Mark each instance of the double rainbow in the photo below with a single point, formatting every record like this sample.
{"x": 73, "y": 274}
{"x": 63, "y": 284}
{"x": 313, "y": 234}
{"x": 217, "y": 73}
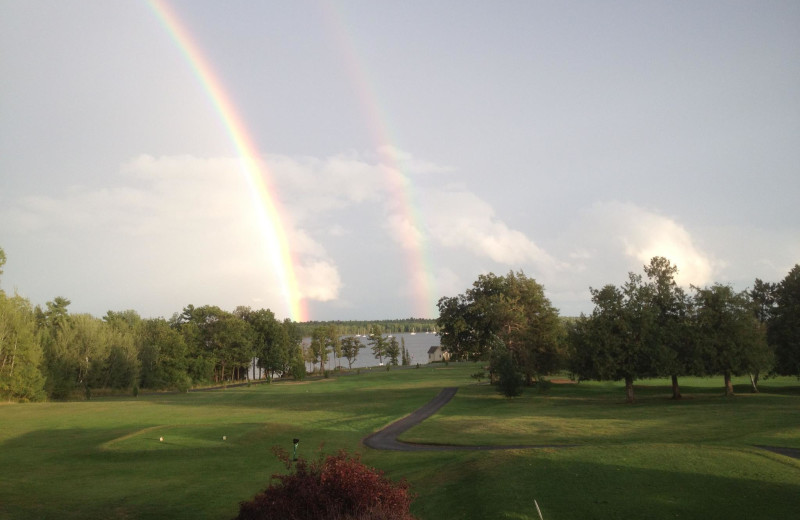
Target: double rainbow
{"x": 410, "y": 225}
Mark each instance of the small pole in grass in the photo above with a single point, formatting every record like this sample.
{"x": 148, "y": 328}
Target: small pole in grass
{"x": 538, "y": 510}
{"x": 294, "y": 453}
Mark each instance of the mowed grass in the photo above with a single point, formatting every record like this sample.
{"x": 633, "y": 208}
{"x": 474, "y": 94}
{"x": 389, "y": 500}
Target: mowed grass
{"x": 655, "y": 459}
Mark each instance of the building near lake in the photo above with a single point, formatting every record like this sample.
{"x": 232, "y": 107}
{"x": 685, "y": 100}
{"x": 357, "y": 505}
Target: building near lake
{"x": 437, "y": 354}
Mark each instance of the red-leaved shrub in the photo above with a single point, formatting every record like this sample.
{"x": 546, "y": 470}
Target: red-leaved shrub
{"x": 336, "y": 487}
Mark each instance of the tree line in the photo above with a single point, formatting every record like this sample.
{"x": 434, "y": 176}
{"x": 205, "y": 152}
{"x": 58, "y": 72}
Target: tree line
{"x": 365, "y": 327}
{"x": 647, "y": 327}
{"x": 52, "y": 353}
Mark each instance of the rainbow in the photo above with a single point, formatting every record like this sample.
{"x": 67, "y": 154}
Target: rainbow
{"x": 254, "y": 171}
{"x": 418, "y": 262}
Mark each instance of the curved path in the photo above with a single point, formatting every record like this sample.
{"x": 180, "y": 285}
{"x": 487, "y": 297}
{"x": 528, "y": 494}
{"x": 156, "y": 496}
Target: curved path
{"x": 786, "y": 452}
{"x": 386, "y": 439}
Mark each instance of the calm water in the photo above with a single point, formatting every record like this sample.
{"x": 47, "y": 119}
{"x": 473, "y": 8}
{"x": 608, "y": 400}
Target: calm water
{"x": 416, "y": 344}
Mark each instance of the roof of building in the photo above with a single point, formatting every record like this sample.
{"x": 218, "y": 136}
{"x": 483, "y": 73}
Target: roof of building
{"x": 433, "y": 349}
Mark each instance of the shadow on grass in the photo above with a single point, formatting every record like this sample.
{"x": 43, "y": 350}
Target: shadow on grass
{"x": 572, "y": 487}
{"x": 122, "y": 473}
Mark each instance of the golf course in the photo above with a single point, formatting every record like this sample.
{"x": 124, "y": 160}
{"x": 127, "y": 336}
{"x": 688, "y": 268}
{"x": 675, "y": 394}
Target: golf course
{"x": 198, "y": 454}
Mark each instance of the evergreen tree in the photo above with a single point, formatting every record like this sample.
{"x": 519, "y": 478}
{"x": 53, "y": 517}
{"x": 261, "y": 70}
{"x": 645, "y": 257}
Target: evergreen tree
{"x": 729, "y": 337}
{"x": 378, "y": 343}
{"x": 393, "y": 351}
{"x": 784, "y": 325}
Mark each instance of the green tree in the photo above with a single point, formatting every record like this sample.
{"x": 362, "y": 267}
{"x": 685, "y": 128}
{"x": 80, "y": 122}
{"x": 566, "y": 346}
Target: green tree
{"x": 377, "y": 343}
{"x": 669, "y": 334}
{"x": 333, "y": 342}
{"x": 784, "y": 325}
{"x": 20, "y": 350}
{"x": 350, "y": 347}
{"x": 61, "y": 365}
{"x": 457, "y": 331}
{"x": 729, "y": 337}
{"x": 123, "y": 320}
{"x": 406, "y": 357}
{"x": 512, "y": 308}
{"x": 295, "y": 367}
{"x": 763, "y": 297}
{"x": 218, "y": 338}
{"x": 393, "y": 351}
{"x": 608, "y": 344}
{"x": 270, "y": 340}
{"x": 509, "y": 379}
{"x": 318, "y": 348}
{"x": 162, "y": 356}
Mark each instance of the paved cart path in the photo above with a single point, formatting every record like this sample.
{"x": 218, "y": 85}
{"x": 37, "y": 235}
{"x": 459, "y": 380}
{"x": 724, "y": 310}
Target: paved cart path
{"x": 386, "y": 439}
{"x": 786, "y": 452}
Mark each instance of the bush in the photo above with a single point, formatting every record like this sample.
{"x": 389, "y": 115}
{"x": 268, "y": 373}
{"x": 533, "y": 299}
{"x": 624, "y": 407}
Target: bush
{"x": 543, "y": 385}
{"x": 335, "y": 487}
{"x": 478, "y": 376}
{"x": 509, "y": 380}
{"x": 297, "y": 369}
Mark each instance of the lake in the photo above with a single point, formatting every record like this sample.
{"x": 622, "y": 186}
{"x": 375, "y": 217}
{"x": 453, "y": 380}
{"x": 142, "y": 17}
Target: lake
{"x": 416, "y": 344}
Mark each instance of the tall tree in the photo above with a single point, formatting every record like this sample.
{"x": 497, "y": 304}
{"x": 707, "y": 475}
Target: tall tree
{"x": 457, "y": 335}
{"x": 608, "y": 345}
{"x": 377, "y": 343}
{"x": 270, "y": 340}
{"x": 393, "y": 351}
{"x": 217, "y": 338}
{"x": 350, "y": 347}
{"x": 319, "y": 346}
{"x": 20, "y": 350}
{"x": 333, "y": 341}
{"x": 162, "y": 356}
{"x": 763, "y": 297}
{"x": 784, "y": 325}
{"x": 669, "y": 335}
{"x": 729, "y": 337}
{"x": 512, "y": 308}
{"x": 296, "y": 366}
{"x": 61, "y": 367}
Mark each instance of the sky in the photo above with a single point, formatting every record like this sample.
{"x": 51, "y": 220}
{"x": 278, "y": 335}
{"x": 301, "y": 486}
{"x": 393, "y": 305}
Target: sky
{"x": 360, "y": 160}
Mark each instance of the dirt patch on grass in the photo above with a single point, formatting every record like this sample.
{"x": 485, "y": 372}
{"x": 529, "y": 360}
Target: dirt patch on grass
{"x": 563, "y": 381}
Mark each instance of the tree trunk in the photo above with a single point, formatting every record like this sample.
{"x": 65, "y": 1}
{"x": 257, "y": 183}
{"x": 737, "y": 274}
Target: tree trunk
{"x": 676, "y": 390}
{"x": 629, "y": 389}
{"x": 754, "y": 383}
{"x": 13, "y": 358}
{"x": 728, "y": 384}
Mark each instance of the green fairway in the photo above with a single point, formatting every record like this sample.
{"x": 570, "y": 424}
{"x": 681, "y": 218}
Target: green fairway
{"x": 654, "y": 459}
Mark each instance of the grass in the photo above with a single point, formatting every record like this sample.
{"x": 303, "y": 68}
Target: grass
{"x": 654, "y": 459}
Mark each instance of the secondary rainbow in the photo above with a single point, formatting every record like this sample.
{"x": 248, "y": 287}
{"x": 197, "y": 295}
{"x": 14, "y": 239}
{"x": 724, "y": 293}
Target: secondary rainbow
{"x": 419, "y": 267}
{"x": 253, "y": 169}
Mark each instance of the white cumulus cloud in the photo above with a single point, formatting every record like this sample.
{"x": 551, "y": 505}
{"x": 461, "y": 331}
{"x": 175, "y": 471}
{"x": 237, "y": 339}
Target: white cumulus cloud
{"x": 624, "y": 237}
